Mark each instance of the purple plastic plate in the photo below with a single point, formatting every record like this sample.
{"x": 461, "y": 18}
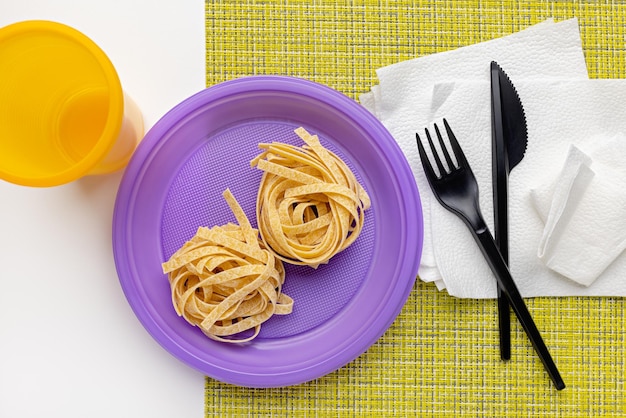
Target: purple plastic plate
{"x": 174, "y": 183}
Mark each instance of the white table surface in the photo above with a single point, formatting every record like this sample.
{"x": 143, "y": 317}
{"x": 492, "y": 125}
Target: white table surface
{"x": 70, "y": 345}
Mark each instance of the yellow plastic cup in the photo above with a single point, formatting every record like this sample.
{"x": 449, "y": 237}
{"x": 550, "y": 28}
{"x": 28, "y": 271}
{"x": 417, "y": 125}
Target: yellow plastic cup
{"x": 63, "y": 113}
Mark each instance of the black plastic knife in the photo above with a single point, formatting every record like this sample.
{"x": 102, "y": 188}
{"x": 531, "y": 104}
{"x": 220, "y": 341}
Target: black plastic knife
{"x": 509, "y": 139}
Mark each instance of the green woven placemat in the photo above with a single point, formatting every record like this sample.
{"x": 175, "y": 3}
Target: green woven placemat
{"x": 440, "y": 357}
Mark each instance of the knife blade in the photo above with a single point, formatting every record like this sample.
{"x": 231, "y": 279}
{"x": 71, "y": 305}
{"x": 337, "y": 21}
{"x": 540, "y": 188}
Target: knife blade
{"x": 509, "y": 140}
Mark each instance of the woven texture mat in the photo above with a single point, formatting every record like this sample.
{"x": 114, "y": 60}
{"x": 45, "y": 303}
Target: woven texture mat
{"x": 441, "y": 356}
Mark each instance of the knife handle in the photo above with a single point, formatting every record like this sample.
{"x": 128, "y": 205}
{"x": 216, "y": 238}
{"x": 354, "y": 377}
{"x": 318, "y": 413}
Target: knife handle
{"x": 505, "y": 280}
{"x": 504, "y": 323}
{"x": 501, "y": 229}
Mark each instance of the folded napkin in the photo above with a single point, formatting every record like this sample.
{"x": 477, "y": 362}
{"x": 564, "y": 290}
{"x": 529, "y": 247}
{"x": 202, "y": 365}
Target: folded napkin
{"x": 584, "y": 211}
{"x": 559, "y": 114}
{"x": 402, "y": 100}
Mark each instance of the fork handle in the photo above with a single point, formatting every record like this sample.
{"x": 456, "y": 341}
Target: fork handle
{"x": 505, "y": 280}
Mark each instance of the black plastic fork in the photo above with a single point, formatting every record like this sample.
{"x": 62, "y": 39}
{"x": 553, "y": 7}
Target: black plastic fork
{"x": 455, "y": 187}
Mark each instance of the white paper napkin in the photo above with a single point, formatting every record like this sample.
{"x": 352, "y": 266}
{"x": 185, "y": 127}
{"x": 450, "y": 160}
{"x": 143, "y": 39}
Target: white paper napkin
{"x": 585, "y": 211}
{"x": 558, "y": 114}
{"x": 402, "y": 100}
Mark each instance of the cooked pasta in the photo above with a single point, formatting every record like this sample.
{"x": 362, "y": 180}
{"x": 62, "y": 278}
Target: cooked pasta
{"x": 224, "y": 281}
{"x": 309, "y": 204}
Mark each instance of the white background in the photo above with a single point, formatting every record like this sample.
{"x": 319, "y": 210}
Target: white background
{"x": 70, "y": 345}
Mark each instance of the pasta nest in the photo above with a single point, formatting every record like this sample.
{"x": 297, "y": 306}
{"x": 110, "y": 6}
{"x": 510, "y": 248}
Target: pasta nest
{"x": 224, "y": 281}
{"x": 310, "y": 205}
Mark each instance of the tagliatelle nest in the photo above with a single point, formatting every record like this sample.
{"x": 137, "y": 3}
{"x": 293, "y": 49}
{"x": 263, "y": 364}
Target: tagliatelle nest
{"x": 309, "y": 204}
{"x": 224, "y": 281}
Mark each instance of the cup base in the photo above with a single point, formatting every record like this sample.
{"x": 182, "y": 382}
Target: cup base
{"x": 80, "y": 124}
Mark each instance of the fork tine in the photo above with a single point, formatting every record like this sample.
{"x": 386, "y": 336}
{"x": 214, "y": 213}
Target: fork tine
{"x": 430, "y": 173}
{"x": 456, "y": 148}
{"x": 440, "y": 166}
{"x": 444, "y": 148}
